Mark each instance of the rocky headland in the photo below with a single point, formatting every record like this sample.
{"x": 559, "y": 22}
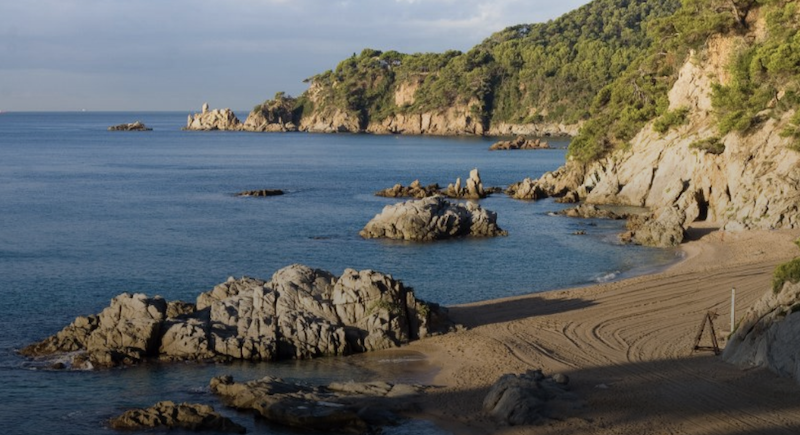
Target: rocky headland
{"x": 749, "y": 182}
{"x": 131, "y": 126}
{"x": 520, "y": 143}
{"x": 348, "y": 407}
{"x": 432, "y": 218}
{"x": 300, "y": 313}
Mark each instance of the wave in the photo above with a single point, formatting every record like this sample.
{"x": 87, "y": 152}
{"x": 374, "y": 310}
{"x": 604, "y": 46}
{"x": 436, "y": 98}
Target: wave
{"x": 606, "y": 277}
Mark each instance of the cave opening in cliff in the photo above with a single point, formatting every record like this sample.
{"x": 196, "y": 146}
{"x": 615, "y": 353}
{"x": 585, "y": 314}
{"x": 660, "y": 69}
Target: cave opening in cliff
{"x": 702, "y": 205}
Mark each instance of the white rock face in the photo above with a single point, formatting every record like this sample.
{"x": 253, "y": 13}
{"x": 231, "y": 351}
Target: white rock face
{"x": 769, "y": 334}
{"x": 432, "y": 218}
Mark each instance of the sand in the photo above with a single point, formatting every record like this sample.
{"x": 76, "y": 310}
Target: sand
{"x": 627, "y": 348}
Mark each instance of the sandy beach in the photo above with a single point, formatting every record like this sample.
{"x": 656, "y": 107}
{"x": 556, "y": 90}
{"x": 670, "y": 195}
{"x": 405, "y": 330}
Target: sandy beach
{"x": 627, "y": 348}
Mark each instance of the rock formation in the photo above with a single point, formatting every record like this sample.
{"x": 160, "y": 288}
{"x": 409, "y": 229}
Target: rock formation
{"x": 261, "y": 192}
{"x": 339, "y": 407}
{"x": 590, "y": 211}
{"x": 432, "y": 218}
{"x": 414, "y": 190}
{"x": 520, "y": 143}
{"x": 768, "y": 335}
{"x": 300, "y": 313}
{"x": 472, "y": 190}
{"x": 133, "y": 126}
{"x": 751, "y": 184}
{"x": 526, "y": 189}
{"x": 530, "y": 398}
{"x": 272, "y": 116}
{"x": 218, "y": 119}
{"x": 168, "y": 415}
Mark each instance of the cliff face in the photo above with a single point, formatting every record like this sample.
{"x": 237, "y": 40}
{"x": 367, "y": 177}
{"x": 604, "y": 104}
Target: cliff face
{"x": 767, "y": 335}
{"x": 754, "y": 182}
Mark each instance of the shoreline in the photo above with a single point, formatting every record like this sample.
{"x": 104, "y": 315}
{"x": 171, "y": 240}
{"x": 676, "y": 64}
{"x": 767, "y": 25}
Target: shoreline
{"x": 626, "y": 345}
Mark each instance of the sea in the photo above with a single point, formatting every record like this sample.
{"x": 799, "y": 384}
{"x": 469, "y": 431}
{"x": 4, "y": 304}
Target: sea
{"x": 87, "y": 213}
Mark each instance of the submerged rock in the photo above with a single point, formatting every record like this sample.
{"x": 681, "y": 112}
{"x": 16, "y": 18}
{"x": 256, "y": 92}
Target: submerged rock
{"x": 132, "y": 126}
{"x": 520, "y": 143}
{"x": 432, "y": 218}
{"x": 300, "y": 313}
{"x": 530, "y": 398}
{"x": 260, "y": 193}
{"x": 168, "y": 415}
{"x": 339, "y": 407}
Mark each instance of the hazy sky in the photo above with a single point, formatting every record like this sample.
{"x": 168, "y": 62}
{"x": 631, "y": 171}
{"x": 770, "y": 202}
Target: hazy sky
{"x": 177, "y": 54}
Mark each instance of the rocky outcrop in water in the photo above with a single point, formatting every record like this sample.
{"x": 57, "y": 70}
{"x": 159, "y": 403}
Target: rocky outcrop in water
{"x": 299, "y": 313}
{"x": 260, "y": 192}
{"x": 591, "y": 211}
{"x": 473, "y": 189}
{"x": 168, "y": 415}
{"x": 217, "y": 119}
{"x": 530, "y": 398}
{"x": 768, "y": 335}
{"x": 430, "y": 219}
{"x": 338, "y": 407}
{"x": 132, "y": 126}
{"x": 520, "y": 143}
{"x": 413, "y": 190}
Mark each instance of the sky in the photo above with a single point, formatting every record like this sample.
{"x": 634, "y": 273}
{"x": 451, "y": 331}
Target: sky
{"x": 100, "y": 55}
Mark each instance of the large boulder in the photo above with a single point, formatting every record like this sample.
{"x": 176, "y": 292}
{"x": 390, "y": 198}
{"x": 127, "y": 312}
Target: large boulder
{"x": 338, "y": 407}
{"x": 432, "y": 218}
{"x": 530, "y": 398}
{"x": 300, "y": 313}
{"x": 168, "y": 415}
{"x": 276, "y": 115}
{"x": 768, "y": 335}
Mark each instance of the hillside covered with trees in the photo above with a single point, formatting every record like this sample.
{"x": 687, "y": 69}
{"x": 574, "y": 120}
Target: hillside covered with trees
{"x": 606, "y": 67}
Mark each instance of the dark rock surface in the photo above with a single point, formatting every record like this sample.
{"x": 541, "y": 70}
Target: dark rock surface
{"x": 168, "y": 415}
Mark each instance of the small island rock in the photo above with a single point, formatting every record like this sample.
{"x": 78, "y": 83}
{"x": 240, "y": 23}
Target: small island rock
{"x": 432, "y": 218}
{"x": 132, "y": 126}
{"x": 414, "y": 190}
{"x": 218, "y": 119}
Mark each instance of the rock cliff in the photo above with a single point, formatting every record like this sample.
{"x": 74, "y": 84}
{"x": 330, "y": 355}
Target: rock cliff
{"x": 747, "y": 181}
{"x": 299, "y": 313}
{"x": 768, "y": 335}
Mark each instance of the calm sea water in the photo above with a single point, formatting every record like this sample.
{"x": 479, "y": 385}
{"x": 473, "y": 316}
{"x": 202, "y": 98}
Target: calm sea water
{"x": 86, "y": 214}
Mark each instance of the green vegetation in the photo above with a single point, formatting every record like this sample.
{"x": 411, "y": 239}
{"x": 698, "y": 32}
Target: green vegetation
{"x": 671, "y": 118}
{"x": 712, "y": 145}
{"x": 608, "y": 65}
{"x": 786, "y": 272}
